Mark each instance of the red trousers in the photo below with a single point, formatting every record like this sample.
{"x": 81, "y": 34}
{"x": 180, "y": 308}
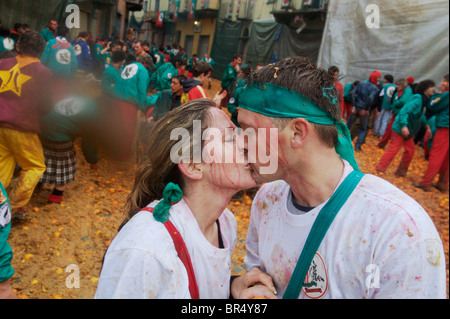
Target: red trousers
{"x": 397, "y": 142}
{"x": 439, "y": 160}
{"x": 387, "y": 135}
{"x": 346, "y": 109}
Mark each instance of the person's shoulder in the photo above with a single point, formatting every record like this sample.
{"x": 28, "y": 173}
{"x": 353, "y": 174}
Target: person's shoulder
{"x": 390, "y": 203}
{"x": 142, "y": 232}
{"x": 274, "y": 190}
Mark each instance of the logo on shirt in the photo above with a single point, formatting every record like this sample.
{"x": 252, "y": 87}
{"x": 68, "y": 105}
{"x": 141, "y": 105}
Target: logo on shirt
{"x": 77, "y": 49}
{"x": 129, "y": 72}
{"x": 315, "y": 285}
{"x": 63, "y": 56}
{"x": 5, "y": 210}
{"x": 69, "y": 106}
{"x": 13, "y": 80}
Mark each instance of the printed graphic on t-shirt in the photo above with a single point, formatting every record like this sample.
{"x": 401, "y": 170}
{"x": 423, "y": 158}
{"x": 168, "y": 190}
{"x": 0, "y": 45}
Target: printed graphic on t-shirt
{"x": 5, "y": 210}
{"x": 315, "y": 285}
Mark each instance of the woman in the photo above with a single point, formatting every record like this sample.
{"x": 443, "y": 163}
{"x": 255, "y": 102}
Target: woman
{"x": 142, "y": 261}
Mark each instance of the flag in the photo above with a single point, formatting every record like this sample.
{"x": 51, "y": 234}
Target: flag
{"x": 192, "y": 7}
{"x": 160, "y": 19}
{"x": 284, "y": 3}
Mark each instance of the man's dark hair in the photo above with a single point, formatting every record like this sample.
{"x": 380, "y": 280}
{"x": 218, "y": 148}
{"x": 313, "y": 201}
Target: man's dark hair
{"x": 62, "y": 31}
{"x": 333, "y": 69}
{"x": 31, "y": 43}
{"x": 118, "y": 56}
{"x": 423, "y": 86}
{"x": 389, "y": 78}
{"x": 300, "y": 75}
{"x": 83, "y": 34}
{"x": 201, "y": 68}
{"x": 180, "y": 77}
{"x": 237, "y": 56}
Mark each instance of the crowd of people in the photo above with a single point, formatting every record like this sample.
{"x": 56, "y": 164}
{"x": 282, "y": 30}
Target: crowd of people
{"x": 49, "y": 101}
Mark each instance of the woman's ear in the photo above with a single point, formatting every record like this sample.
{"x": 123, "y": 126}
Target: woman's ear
{"x": 191, "y": 170}
{"x": 299, "y": 132}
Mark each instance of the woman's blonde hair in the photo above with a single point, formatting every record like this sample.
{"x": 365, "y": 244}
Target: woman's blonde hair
{"x": 157, "y": 168}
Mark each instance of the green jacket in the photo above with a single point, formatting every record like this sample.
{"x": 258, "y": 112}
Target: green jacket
{"x": 398, "y": 103}
{"x": 439, "y": 105}
{"x": 109, "y": 80}
{"x": 233, "y": 103}
{"x": 6, "y": 253}
{"x": 389, "y": 90}
{"x": 348, "y": 92}
{"x": 229, "y": 76}
{"x": 59, "y": 56}
{"x": 161, "y": 79}
{"x": 132, "y": 85}
{"x": 70, "y": 118}
{"x": 47, "y": 34}
{"x": 412, "y": 116}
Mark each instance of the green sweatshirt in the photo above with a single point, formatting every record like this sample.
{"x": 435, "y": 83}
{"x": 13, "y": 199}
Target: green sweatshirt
{"x": 59, "y": 56}
{"x": 389, "y": 90}
{"x": 161, "y": 79}
{"x": 229, "y": 76}
{"x": 412, "y": 116}
{"x": 439, "y": 105}
{"x": 70, "y": 118}
{"x": 132, "y": 85}
{"x": 399, "y": 102}
{"x": 6, "y": 253}
{"x": 110, "y": 78}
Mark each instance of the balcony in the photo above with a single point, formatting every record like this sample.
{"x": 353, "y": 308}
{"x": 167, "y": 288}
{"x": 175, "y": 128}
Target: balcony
{"x": 134, "y": 5}
{"x": 306, "y": 8}
{"x": 203, "y": 8}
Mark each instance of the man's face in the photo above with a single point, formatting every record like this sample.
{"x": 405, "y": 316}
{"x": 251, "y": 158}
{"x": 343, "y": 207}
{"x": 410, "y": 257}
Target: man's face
{"x": 238, "y": 61}
{"x": 176, "y": 87}
{"x": 137, "y": 48}
{"x": 261, "y": 144}
{"x": 53, "y": 25}
{"x": 430, "y": 91}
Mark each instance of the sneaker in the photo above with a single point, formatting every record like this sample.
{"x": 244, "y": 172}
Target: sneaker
{"x": 19, "y": 214}
{"x": 54, "y": 199}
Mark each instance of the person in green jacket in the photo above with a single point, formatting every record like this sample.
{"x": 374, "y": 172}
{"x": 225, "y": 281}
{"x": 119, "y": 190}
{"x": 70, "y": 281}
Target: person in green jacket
{"x": 112, "y": 73}
{"x": 387, "y": 93}
{"x": 409, "y": 120}
{"x": 49, "y": 32}
{"x": 72, "y": 117}
{"x": 229, "y": 77}
{"x": 439, "y": 153}
{"x": 129, "y": 96}
{"x": 6, "y": 253}
{"x": 400, "y": 98}
{"x": 59, "y": 55}
{"x": 161, "y": 78}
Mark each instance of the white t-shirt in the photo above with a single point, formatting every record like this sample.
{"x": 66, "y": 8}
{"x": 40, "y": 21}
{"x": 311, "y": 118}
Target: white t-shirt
{"x": 382, "y": 244}
{"x": 142, "y": 262}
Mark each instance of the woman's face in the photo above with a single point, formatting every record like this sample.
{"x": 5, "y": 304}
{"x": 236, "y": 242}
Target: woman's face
{"x": 225, "y": 162}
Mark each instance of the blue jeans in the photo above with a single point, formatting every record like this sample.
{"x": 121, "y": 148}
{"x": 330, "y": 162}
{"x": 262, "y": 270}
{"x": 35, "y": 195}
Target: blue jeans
{"x": 382, "y": 122}
{"x": 362, "y": 132}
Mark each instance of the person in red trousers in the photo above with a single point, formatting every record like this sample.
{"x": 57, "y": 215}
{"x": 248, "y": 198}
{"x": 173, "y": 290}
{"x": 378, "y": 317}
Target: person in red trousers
{"x": 408, "y": 121}
{"x": 439, "y": 153}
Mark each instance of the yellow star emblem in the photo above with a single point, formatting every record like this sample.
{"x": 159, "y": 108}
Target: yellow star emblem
{"x": 13, "y": 80}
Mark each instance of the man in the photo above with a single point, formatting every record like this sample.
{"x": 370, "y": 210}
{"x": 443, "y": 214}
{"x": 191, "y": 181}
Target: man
{"x": 229, "y": 76}
{"x": 83, "y": 53}
{"x": 439, "y": 153}
{"x": 334, "y": 71}
{"x": 348, "y": 235}
{"x": 194, "y": 88}
{"x": 49, "y": 32}
{"x": 25, "y": 96}
{"x": 161, "y": 79}
{"x": 138, "y": 49}
{"x": 59, "y": 55}
{"x": 385, "y": 115}
{"x": 364, "y": 96}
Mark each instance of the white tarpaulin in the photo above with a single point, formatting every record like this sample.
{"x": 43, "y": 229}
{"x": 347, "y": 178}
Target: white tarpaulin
{"x": 412, "y": 39}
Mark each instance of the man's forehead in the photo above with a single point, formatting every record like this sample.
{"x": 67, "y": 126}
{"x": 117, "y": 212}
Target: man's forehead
{"x": 248, "y": 118}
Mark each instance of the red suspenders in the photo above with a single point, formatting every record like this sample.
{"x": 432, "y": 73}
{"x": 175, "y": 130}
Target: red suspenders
{"x": 183, "y": 254}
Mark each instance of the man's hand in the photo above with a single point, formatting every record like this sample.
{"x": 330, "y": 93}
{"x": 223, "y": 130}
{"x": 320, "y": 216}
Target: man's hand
{"x": 405, "y": 132}
{"x": 219, "y": 97}
{"x": 253, "y": 284}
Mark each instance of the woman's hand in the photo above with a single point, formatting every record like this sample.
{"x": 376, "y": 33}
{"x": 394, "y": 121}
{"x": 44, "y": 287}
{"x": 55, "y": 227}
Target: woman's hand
{"x": 253, "y": 284}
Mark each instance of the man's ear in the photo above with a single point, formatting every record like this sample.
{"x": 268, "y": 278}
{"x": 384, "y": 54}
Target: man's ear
{"x": 191, "y": 170}
{"x": 300, "y": 129}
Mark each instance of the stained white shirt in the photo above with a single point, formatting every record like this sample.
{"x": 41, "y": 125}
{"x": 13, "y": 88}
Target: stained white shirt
{"x": 382, "y": 244}
{"x": 142, "y": 261}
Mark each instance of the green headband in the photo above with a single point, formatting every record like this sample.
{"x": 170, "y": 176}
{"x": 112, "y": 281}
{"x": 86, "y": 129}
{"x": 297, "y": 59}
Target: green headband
{"x": 277, "y": 101}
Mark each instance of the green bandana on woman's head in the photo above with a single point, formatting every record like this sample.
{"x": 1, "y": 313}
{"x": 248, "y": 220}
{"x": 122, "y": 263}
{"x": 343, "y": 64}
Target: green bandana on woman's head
{"x": 277, "y": 101}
